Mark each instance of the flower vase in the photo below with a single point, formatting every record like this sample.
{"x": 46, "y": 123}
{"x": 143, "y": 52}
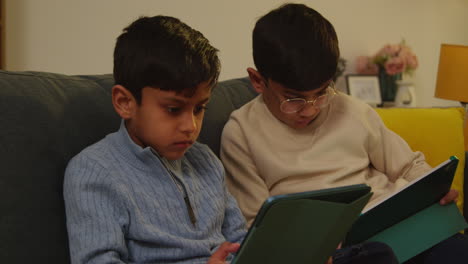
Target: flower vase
{"x": 388, "y": 85}
{"x": 406, "y": 95}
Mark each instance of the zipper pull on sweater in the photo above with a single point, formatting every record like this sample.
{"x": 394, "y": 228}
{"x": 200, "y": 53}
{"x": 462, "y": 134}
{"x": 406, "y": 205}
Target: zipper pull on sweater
{"x": 191, "y": 213}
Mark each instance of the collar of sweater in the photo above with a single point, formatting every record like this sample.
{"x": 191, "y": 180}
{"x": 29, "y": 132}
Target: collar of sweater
{"x": 139, "y": 156}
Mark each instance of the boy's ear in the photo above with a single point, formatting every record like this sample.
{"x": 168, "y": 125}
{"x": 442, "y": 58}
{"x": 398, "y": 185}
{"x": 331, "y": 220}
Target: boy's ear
{"x": 256, "y": 79}
{"x": 124, "y": 102}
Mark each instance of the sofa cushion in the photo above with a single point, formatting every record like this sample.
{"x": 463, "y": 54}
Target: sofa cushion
{"x": 226, "y": 97}
{"x": 45, "y": 120}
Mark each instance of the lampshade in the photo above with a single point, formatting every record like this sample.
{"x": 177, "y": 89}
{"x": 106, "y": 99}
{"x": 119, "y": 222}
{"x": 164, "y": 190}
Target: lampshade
{"x": 452, "y": 77}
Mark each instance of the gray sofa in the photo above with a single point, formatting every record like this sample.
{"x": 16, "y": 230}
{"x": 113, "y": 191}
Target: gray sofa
{"x": 46, "y": 119}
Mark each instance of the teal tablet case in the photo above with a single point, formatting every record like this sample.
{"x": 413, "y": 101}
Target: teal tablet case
{"x": 422, "y": 230}
{"x": 412, "y": 220}
{"x": 302, "y": 227}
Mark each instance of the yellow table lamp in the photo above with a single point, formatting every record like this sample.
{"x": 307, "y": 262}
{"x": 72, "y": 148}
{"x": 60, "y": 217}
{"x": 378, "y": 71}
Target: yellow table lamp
{"x": 452, "y": 77}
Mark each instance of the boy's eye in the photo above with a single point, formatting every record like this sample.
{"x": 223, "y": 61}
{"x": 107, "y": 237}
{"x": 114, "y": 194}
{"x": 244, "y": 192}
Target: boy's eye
{"x": 200, "y": 109}
{"x": 173, "y": 109}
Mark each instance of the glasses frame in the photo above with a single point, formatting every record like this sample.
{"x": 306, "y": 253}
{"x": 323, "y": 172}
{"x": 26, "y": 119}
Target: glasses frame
{"x": 330, "y": 92}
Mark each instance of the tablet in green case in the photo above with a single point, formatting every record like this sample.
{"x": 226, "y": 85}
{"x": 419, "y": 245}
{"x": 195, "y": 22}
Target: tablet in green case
{"x": 411, "y": 220}
{"x": 302, "y": 227}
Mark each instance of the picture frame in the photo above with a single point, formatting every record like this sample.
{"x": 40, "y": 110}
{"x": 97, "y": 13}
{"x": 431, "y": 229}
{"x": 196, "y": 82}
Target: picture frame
{"x": 364, "y": 87}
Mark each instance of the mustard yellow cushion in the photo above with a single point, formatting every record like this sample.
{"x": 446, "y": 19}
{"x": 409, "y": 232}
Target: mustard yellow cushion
{"x": 436, "y": 132}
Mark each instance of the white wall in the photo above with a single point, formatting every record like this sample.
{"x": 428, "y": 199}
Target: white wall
{"x": 77, "y": 37}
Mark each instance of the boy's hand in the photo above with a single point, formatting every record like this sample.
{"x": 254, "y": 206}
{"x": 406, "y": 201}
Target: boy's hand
{"x": 219, "y": 257}
{"x": 330, "y": 259}
{"x": 451, "y": 196}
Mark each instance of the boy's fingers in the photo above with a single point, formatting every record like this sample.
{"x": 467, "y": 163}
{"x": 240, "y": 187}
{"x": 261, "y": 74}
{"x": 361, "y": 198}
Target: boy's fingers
{"x": 223, "y": 251}
{"x": 451, "y": 196}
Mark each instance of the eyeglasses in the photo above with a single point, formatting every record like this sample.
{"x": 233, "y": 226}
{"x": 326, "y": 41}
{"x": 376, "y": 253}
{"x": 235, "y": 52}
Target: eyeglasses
{"x": 294, "y": 105}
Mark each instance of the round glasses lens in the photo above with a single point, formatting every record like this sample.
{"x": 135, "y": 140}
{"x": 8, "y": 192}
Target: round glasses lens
{"x": 321, "y": 101}
{"x": 292, "y": 105}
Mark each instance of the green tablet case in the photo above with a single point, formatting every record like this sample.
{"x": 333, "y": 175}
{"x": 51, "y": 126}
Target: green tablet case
{"x": 412, "y": 220}
{"x": 302, "y": 227}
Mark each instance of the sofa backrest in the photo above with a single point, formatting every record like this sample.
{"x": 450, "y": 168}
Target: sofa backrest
{"x": 226, "y": 97}
{"x": 45, "y": 120}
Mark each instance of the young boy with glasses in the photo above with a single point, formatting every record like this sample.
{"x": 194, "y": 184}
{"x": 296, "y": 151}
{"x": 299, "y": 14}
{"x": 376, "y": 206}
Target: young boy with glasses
{"x": 300, "y": 134}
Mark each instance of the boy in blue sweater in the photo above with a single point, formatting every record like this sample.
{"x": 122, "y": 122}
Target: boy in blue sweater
{"x": 149, "y": 193}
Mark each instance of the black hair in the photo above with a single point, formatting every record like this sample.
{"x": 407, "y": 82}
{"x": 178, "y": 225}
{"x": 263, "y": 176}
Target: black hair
{"x": 295, "y": 46}
{"x": 163, "y": 52}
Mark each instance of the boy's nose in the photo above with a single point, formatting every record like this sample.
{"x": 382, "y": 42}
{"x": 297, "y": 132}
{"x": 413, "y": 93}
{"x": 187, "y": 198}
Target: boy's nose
{"x": 189, "y": 123}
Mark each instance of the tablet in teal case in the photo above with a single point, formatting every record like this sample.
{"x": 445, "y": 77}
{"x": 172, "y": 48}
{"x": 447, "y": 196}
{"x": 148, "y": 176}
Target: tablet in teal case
{"x": 411, "y": 220}
{"x": 302, "y": 227}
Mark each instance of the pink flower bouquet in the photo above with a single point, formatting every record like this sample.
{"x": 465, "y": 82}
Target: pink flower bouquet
{"x": 394, "y": 58}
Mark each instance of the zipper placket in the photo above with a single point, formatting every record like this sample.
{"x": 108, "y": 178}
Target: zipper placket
{"x": 183, "y": 191}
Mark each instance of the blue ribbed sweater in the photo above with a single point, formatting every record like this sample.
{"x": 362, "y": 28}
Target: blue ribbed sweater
{"x": 122, "y": 205}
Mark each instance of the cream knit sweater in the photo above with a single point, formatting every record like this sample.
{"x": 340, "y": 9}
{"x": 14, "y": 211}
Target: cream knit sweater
{"x": 346, "y": 144}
